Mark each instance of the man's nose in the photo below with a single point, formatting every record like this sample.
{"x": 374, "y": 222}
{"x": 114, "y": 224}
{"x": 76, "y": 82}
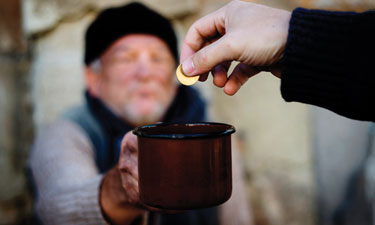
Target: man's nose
{"x": 144, "y": 67}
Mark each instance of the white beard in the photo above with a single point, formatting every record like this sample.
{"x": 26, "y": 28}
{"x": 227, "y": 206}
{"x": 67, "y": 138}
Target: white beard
{"x": 131, "y": 114}
{"x": 139, "y": 110}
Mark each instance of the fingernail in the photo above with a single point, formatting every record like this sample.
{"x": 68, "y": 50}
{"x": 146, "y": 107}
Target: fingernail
{"x": 188, "y": 67}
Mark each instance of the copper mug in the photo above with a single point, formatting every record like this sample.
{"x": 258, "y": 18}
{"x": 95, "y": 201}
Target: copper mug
{"x": 184, "y": 166}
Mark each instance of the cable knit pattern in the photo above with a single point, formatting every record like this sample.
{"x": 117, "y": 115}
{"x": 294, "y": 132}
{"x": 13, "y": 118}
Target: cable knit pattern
{"x": 328, "y": 61}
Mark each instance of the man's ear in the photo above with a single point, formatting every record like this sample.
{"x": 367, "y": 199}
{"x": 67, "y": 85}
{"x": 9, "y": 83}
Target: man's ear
{"x": 92, "y": 81}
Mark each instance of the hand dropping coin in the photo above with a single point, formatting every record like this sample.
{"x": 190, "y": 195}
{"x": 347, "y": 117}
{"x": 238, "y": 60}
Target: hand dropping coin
{"x": 183, "y": 79}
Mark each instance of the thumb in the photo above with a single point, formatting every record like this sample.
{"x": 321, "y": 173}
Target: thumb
{"x": 129, "y": 142}
{"x": 209, "y": 56}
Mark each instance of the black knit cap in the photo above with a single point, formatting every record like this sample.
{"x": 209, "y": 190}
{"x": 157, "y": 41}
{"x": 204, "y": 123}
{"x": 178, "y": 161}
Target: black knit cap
{"x": 113, "y": 23}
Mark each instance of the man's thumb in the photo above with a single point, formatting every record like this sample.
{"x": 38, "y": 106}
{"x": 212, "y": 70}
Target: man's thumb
{"x": 208, "y": 57}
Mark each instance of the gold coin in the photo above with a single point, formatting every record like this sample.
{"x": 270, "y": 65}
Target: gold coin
{"x": 183, "y": 79}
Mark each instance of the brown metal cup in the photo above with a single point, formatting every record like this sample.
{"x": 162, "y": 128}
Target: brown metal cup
{"x": 184, "y": 166}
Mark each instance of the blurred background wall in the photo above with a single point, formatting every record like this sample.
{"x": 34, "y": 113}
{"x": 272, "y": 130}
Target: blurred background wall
{"x": 286, "y": 147}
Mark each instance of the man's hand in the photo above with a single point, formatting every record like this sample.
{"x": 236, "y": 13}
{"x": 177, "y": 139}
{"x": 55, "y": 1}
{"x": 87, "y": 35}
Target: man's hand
{"x": 119, "y": 195}
{"x": 128, "y": 167}
{"x": 252, "y": 34}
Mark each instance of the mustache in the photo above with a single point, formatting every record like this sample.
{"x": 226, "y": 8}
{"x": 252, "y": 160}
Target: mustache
{"x": 148, "y": 87}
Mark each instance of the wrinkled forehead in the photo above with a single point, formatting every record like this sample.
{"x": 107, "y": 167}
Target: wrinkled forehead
{"x": 139, "y": 42}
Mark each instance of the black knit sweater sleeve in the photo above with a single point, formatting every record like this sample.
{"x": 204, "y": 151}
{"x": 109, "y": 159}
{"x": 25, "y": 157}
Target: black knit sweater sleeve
{"x": 329, "y": 61}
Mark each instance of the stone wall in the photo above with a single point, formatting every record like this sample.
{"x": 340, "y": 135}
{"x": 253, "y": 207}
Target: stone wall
{"x": 41, "y": 69}
{"x": 15, "y": 116}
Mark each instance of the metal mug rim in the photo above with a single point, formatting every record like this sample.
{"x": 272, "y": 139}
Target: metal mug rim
{"x": 141, "y": 131}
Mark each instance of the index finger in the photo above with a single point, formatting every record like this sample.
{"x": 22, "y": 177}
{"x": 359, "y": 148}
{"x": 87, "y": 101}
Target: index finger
{"x": 129, "y": 142}
{"x": 203, "y": 30}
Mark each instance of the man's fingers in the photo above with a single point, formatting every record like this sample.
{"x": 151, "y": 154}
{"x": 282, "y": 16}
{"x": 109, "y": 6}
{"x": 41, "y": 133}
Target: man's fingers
{"x": 239, "y": 76}
{"x": 186, "y": 52}
{"x": 203, "y": 77}
{"x": 129, "y": 164}
{"x": 129, "y": 142}
{"x": 208, "y": 57}
{"x": 205, "y": 29}
{"x": 130, "y": 185}
{"x": 220, "y": 74}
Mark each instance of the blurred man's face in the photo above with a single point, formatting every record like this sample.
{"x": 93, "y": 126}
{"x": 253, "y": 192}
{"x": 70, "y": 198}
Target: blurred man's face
{"x": 135, "y": 78}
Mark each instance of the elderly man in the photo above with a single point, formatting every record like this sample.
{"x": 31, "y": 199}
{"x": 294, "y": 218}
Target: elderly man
{"x": 82, "y": 173}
